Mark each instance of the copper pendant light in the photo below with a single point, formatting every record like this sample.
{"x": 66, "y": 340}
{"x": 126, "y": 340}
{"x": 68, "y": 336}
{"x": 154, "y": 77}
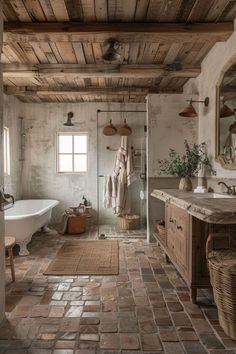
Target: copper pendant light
{"x": 190, "y": 111}
{"x": 109, "y": 129}
{"x": 225, "y": 111}
{"x": 125, "y": 129}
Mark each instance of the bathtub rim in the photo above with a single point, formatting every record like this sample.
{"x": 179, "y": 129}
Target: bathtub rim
{"x": 42, "y": 211}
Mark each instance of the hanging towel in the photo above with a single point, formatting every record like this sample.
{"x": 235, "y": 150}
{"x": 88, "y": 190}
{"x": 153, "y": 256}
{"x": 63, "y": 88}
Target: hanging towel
{"x": 125, "y": 174}
{"x": 114, "y": 191}
{"x": 107, "y": 196}
{"x": 121, "y": 192}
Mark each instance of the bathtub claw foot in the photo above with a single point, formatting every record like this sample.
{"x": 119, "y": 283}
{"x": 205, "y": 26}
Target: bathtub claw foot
{"x": 47, "y": 230}
{"x": 23, "y": 249}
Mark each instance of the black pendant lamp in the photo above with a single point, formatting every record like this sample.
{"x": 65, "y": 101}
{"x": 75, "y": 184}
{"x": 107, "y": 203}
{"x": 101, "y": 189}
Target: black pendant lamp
{"x": 69, "y": 123}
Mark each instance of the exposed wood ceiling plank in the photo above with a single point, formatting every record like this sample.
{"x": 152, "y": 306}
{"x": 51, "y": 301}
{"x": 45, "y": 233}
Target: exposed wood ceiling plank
{"x": 184, "y": 10}
{"x": 79, "y": 53}
{"x": 60, "y": 10}
{"x": 21, "y": 11}
{"x": 9, "y": 12}
{"x": 141, "y": 10}
{"x": 125, "y": 32}
{"x": 217, "y": 10}
{"x": 47, "y": 9}
{"x": 74, "y": 9}
{"x": 229, "y": 12}
{"x": 35, "y": 10}
{"x": 154, "y": 9}
{"x": 103, "y": 70}
{"x": 88, "y": 10}
{"x": 200, "y": 10}
{"x": 101, "y": 10}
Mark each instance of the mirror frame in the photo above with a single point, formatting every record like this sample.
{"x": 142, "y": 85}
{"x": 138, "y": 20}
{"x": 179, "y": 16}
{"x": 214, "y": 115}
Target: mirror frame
{"x": 218, "y": 157}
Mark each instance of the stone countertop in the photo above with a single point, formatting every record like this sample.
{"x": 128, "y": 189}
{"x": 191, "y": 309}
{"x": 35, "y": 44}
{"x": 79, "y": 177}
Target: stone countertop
{"x": 200, "y": 205}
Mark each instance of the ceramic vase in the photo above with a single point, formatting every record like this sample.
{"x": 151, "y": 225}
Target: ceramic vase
{"x": 185, "y": 184}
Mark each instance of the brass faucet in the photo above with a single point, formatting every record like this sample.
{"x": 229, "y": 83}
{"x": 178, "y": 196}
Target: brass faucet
{"x": 6, "y": 200}
{"x": 230, "y": 189}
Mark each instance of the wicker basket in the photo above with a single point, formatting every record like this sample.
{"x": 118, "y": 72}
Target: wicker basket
{"x": 161, "y": 230}
{"x": 222, "y": 267}
{"x": 128, "y": 222}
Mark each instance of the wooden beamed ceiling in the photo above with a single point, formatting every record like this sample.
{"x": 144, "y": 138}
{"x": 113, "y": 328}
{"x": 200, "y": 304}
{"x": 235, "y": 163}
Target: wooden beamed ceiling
{"x": 124, "y": 32}
{"x": 52, "y": 50}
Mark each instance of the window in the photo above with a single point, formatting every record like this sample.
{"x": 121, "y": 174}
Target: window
{"x": 6, "y": 151}
{"x": 72, "y": 153}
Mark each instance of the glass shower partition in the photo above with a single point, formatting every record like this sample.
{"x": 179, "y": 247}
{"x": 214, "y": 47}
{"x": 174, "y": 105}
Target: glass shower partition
{"x": 109, "y": 223}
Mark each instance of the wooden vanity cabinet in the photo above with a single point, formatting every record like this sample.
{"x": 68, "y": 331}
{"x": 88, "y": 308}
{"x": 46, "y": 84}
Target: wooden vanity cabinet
{"x": 186, "y": 235}
{"x": 185, "y": 247}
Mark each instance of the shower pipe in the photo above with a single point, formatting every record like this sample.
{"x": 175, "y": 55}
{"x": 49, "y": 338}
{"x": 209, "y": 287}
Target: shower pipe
{"x": 98, "y": 112}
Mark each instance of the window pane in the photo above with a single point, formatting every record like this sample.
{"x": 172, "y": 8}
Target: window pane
{"x": 80, "y": 163}
{"x": 65, "y": 144}
{"x": 80, "y": 144}
{"x": 65, "y": 163}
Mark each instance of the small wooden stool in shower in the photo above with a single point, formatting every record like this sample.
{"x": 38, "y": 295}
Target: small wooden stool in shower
{"x": 9, "y": 244}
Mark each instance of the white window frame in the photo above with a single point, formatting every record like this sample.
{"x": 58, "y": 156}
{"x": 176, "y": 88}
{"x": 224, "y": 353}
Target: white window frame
{"x": 73, "y": 154}
{"x": 6, "y": 151}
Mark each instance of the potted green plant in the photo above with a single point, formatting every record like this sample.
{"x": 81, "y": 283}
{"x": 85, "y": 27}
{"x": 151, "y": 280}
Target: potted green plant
{"x": 187, "y": 165}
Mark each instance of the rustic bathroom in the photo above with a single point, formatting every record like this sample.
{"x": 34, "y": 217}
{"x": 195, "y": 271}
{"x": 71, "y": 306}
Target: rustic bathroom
{"x": 118, "y": 177}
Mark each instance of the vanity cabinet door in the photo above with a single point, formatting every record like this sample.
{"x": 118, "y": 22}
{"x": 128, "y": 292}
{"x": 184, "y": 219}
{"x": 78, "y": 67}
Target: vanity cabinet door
{"x": 178, "y": 229}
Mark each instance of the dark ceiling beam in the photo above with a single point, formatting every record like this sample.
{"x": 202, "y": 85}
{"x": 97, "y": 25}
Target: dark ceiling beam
{"x": 98, "y": 70}
{"x": 96, "y": 91}
{"x": 124, "y": 32}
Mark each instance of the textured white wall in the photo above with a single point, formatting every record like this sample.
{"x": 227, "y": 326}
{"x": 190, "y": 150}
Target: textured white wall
{"x": 40, "y": 179}
{"x": 205, "y": 85}
{"x": 13, "y": 109}
{"x": 166, "y": 128}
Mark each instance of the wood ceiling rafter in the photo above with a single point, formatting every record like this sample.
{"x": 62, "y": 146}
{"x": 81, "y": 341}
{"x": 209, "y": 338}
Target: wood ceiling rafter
{"x": 97, "y": 70}
{"x": 125, "y": 32}
{"x": 96, "y": 91}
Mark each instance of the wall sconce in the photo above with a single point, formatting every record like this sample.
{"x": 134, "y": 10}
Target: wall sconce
{"x": 69, "y": 123}
{"x": 190, "y": 111}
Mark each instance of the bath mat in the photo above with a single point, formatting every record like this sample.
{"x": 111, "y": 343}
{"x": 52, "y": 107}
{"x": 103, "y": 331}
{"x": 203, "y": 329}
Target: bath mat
{"x": 86, "y": 258}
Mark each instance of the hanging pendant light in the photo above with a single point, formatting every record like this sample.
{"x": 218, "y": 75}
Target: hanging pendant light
{"x": 190, "y": 111}
{"x": 111, "y": 53}
{"x": 125, "y": 129}
{"x": 69, "y": 123}
{"x": 225, "y": 111}
{"x": 109, "y": 129}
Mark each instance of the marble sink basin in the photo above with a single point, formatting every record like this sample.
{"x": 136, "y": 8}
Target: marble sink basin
{"x": 215, "y": 195}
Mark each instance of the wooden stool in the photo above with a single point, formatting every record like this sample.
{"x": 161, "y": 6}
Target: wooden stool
{"x": 9, "y": 244}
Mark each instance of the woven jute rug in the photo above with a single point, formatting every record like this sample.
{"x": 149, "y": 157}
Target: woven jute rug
{"x": 86, "y": 258}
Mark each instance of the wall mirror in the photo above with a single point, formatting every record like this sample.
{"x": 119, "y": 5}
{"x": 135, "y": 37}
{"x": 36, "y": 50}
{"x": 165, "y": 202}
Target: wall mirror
{"x": 226, "y": 118}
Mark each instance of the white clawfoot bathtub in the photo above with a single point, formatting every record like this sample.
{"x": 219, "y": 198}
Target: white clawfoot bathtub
{"x": 25, "y": 218}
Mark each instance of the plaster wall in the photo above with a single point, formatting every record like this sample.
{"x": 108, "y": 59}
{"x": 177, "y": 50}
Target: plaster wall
{"x": 40, "y": 179}
{"x": 205, "y": 85}
{"x": 166, "y": 129}
{"x": 13, "y": 109}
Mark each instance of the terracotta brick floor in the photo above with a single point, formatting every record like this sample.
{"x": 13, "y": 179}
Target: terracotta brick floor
{"x": 145, "y": 308}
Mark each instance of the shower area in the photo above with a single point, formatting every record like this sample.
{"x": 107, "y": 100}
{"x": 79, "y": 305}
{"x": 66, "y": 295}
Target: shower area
{"x": 122, "y": 174}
